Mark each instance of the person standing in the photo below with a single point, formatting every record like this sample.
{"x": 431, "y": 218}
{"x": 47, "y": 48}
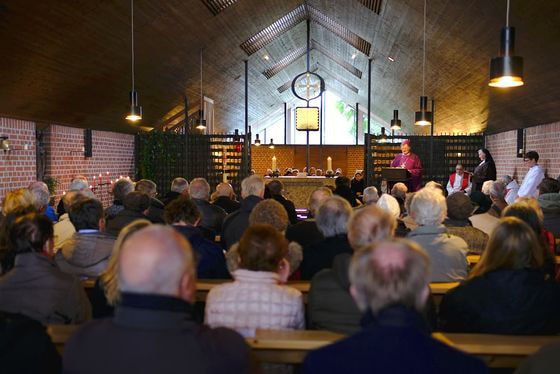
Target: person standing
{"x": 410, "y": 162}
{"x": 485, "y": 171}
{"x": 535, "y": 175}
{"x": 460, "y": 181}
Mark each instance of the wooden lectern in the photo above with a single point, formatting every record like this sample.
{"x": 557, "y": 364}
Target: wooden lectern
{"x": 395, "y": 175}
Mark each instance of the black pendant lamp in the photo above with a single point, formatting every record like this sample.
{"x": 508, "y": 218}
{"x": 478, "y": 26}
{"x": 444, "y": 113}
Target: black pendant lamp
{"x": 271, "y": 145}
{"x": 423, "y": 117}
{"x": 383, "y": 137}
{"x": 507, "y": 69}
{"x": 396, "y": 122}
{"x": 257, "y": 141}
{"x": 135, "y": 113}
{"x": 201, "y": 125}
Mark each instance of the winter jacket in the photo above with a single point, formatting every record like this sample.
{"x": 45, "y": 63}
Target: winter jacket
{"x": 295, "y": 255}
{"x": 237, "y": 222}
{"x": 476, "y": 239}
{"x": 85, "y": 254}
{"x": 254, "y": 300}
{"x": 321, "y": 255}
{"x": 227, "y": 204}
{"x": 212, "y": 218}
{"x": 122, "y": 219}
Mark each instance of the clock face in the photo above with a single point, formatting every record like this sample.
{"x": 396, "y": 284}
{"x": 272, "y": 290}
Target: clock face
{"x": 308, "y": 86}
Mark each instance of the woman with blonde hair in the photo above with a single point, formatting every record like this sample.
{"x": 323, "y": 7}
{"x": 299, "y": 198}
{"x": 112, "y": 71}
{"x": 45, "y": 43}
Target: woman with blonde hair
{"x": 508, "y": 291}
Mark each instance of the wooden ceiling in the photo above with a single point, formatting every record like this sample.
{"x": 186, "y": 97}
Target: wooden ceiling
{"x": 69, "y": 61}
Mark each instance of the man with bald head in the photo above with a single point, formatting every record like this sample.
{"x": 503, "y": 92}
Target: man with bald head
{"x": 390, "y": 284}
{"x": 152, "y": 330}
{"x": 226, "y": 198}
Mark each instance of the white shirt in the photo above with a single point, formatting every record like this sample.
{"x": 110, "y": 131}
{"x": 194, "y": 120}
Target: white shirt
{"x": 512, "y": 189}
{"x": 532, "y": 179}
{"x": 457, "y": 185}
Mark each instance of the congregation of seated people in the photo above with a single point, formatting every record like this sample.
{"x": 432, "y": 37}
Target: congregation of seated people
{"x": 369, "y": 257}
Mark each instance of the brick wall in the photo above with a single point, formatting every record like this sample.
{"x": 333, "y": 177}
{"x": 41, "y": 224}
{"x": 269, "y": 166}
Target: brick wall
{"x": 112, "y": 152}
{"x": 544, "y": 139}
{"x": 17, "y": 167}
{"x": 348, "y": 158}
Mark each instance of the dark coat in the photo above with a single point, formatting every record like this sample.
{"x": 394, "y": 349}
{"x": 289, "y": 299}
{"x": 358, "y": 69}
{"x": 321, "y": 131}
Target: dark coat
{"x": 305, "y": 233}
{"x": 169, "y": 197}
{"x": 550, "y": 205}
{"x": 212, "y": 218}
{"x": 85, "y": 254}
{"x": 25, "y": 346}
{"x": 396, "y": 341}
{"x": 154, "y": 334}
{"x": 483, "y": 173}
{"x": 123, "y": 218}
{"x": 503, "y": 302}
{"x": 289, "y": 206}
{"x": 155, "y": 211}
{"x": 237, "y": 222}
{"x": 227, "y": 204}
{"x": 321, "y": 255}
{"x": 210, "y": 259}
{"x": 357, "y": 186}
{"x": 346, "y": 193}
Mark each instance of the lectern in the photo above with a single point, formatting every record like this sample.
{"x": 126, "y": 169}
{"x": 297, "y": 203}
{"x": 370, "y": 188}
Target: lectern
{"x": 395, "y": 175}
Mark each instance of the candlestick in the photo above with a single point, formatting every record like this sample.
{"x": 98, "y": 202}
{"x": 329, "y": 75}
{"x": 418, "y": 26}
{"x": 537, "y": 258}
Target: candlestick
{"x": 274, "y": 163}
{"x": 329, "y": 163}
{"x": 224, "y": 177}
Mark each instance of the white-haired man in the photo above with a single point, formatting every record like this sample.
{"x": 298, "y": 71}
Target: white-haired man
{"x": 226, "y": 198}
{"x": 42, "y": 198}
{"x": 390, "y": 283}
{"x": 448, "y": 253}
{"x": 152, "y": 330}
{"x": 179, "y": 187}
{"x": 212, "y": 216}
{"x": 235, "y": 224}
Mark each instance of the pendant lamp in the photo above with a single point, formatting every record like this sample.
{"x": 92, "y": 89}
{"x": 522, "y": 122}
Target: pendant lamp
{"x": 423, "y": 117}
{"x": 507, "y": 69}
{"x": 201, "y": 125}
{"x": 257, "y": 141}
{"x": 396, "y": 122}
{"x": 271, "y": 145}
{"x": 135, "y": 113}
{"x": 383, "y": 137}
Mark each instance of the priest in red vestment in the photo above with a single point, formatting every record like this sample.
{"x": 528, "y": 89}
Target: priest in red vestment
{"x": 410, "y": 162}
{"x": 460, "y": 181}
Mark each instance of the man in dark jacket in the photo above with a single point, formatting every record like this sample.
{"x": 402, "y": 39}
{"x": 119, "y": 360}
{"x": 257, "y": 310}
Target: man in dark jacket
{"x": 235, "y": 224}
{"x": 179, "y": 187}
{"x": 226, "y": 198}
{"x": 212, "y": 216}
{"x": 86, "y": 253}
{"x": 152, "y": 330}
{"x": 275, "y": 187}
{"x": 343, "y": 190}
{"x": 332, "y": 220}
{"x": 136, "y": 206}
{"x": 155, "y": 211}
{"x": 390, "y": 285}
{"x": 549, "y": 201}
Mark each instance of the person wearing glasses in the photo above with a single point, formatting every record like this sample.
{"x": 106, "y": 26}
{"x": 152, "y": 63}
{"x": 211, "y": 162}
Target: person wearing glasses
{"x": 460, "y": 181}
{"x": 535, "y": 175}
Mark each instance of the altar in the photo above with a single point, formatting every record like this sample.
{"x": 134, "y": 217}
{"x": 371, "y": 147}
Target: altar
{"x": 298, "y": 189}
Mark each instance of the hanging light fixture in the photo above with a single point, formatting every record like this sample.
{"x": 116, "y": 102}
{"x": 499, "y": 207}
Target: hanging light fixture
{"x": 395, "y": 122}
{"x": 257, "y": 141}
{"x": 135, "y": 113}
{"x": 507, "y": 69}
{"x": 383, "y": 137}
{"x": 271, "y": 145}
{"x": 423, "y": 117}
{"x": 201, "y": 125}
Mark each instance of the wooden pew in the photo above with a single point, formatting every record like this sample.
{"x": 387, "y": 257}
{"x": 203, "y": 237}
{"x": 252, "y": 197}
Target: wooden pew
{"x": 474, "y": 259}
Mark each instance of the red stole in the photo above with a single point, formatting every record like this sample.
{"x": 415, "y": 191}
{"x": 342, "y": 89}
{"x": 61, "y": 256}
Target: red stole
{"x": 464, "y": 182}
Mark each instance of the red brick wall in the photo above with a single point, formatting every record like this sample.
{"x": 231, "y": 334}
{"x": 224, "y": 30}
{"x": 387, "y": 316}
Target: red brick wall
{"x": 544, "y": 139}
{"x": 112, "y": 152}
{"x": 348, "y": 158}
{"x": 17, "y": 167}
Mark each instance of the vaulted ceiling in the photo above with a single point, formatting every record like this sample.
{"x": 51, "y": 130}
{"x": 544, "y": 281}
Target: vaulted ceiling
{"x": 69, "y": 61}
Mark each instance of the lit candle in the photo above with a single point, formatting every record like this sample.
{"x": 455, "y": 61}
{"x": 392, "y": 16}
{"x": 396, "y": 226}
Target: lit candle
{"x": 63, "y": 193}
{"x": 94, "y": 180}
{"x": 273, "y": 163}
{"x": 329, "y": 163}
{"x": 224, "y": 177}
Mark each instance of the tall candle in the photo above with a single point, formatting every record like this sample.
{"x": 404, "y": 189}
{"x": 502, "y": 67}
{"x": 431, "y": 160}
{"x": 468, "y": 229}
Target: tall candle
{"x": 224, "y": 177}
{"x": 94, "y": 181}
{"x": 329, "y": 163}
{"x": 273, "y": 163}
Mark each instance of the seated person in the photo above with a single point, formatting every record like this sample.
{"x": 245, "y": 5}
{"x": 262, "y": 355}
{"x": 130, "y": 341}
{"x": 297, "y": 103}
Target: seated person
{"x": 136, "y": 206}
{"x": 549, "y": 201}
{"x": 398, "y": 191}
{"x": 343, "y": 190}
{"x": 459, "y": 209}
{"x": 155, "y": 210}
{"x": 390, "y": 204}
{"x": 275, "y": 187}
{"x": 212, "y": 216}
{"x": 390, "y": 283}
{"x": 79, "y": 183}
{"x": 272, "y": 213}
{"x": 179, "y": 187}
{"x": 370, "y": 195}
{"x": 183, "y": 214}
{"x": 226, "y": 198}
{"x": 496, "y": 192}
{"x": 508, "y": 291}
{"x": 256, "y": 299}
{"x": 332, "y": 219}
{"x": 64, "y": 229}
{"x": 35, "y": 287}
{"x": 25, "y": 346}
{"x": 357, "y": 184}
{"x": 447, "y": 252}
{"x": 120, "y": 189}
{"x": 152, "y": 330}
{"x": 460, "y": 181}
{"x": 42, "y": 198}
{"x": 512, "y": 188}
{"x": 86, "y": 253}
{"x": 330, "y": 305}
